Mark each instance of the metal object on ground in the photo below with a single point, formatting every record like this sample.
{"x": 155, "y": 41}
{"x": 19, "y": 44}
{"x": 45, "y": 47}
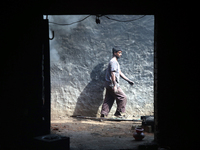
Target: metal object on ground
{"x": 148, "y": 122}
{"x": 52, "y": 142}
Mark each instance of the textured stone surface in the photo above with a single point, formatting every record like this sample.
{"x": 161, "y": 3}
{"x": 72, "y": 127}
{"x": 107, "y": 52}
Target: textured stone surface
{"x": 80, "y": 54}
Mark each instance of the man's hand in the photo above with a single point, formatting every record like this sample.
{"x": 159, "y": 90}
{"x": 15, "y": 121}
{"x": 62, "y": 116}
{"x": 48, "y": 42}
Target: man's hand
{"x": 115, "y": 89}
{"x": 125, "y": 78}
{"x": 130, "y": 82}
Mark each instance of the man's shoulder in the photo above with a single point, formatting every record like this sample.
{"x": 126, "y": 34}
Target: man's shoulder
{"x": 113, "y": 60}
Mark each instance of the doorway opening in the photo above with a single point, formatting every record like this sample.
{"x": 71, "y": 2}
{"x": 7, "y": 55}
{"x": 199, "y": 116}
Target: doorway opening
{"x": 80, "y": 49}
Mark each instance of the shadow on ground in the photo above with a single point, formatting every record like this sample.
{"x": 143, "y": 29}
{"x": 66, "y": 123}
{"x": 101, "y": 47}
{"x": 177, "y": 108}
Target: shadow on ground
{"x": 91, "y": 134}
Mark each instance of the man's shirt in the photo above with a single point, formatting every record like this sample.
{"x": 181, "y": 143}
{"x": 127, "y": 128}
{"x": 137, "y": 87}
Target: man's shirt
{"x": 113, "y": 66}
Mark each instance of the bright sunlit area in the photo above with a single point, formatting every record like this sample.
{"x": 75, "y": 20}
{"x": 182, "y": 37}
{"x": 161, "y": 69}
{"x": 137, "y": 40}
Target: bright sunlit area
{"x": 80, "y": 51}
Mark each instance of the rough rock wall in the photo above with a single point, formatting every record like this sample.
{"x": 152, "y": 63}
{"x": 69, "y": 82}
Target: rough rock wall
{"x": 80, "y": 54}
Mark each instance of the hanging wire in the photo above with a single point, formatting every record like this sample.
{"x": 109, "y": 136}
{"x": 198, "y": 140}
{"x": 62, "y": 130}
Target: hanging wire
{"x": 70, "y": 23}
{"x": 124, "y": 21}
{"x": 98, "y": 17}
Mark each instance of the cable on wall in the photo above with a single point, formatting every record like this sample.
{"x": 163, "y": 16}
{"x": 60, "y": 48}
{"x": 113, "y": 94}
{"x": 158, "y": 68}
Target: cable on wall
{"x": 97, "y": 20}
{"x": 70, "y": 23}
{"x": 125, "y": 20}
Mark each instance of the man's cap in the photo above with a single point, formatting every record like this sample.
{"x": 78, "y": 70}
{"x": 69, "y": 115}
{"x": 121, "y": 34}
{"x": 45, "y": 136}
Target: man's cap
{"x": 116, "y": 49}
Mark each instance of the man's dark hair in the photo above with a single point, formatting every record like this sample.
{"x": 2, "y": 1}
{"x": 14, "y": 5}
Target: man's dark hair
{"x": 116, "y": 49}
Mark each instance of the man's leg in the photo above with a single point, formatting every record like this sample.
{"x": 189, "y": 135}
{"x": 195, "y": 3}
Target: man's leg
{"x": 108, "y": 102}
{"x": 121, "y": 100}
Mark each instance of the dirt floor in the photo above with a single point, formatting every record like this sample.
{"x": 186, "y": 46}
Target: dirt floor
{"x": 99, "y": 135}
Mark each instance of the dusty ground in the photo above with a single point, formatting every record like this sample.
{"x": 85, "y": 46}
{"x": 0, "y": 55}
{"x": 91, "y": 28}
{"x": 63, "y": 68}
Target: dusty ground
{"x": 94, "y": 134}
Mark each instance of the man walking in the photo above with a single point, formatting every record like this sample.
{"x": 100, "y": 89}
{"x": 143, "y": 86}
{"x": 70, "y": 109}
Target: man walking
{"x": 113, "y": 90}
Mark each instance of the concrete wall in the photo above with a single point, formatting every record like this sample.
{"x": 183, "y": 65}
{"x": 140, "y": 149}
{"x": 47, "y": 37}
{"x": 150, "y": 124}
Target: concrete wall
{"x": 80, "y": 54}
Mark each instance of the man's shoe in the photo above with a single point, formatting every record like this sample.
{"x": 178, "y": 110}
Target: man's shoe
{"x": 124, "y": 114}
{"x": 118, "y": 114}
{"x": 118, "y": 117}
{"x": 102, "y": 115}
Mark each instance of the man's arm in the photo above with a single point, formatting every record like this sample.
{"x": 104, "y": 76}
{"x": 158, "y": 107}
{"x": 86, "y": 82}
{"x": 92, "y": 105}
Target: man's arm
{"x": 125, "y": 78}
{"x": 113, "y": 78}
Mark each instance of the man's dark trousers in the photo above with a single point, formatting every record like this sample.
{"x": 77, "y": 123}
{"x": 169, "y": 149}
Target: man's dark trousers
{"x": 110, "y": 97}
